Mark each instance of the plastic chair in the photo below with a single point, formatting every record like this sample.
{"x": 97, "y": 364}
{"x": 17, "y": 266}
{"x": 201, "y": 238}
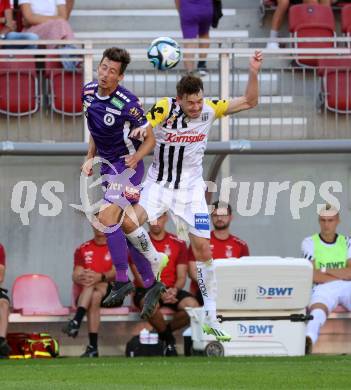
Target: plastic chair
{"x": 311, "y": 21}
{"x": 336, "y": 84}
{"x": 64, "y": 88}
{"x": 36, "y": 294}
{"x": 18, "y": 87}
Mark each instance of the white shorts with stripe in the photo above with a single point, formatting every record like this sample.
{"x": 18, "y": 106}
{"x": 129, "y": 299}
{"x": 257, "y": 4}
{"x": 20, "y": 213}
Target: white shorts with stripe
{"x": 332, "y": 294}
{"x": 188, "y": 207}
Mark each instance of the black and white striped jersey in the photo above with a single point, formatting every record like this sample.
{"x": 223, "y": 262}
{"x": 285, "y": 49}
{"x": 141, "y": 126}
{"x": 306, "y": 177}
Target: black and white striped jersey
{"x": 180, "y": 141}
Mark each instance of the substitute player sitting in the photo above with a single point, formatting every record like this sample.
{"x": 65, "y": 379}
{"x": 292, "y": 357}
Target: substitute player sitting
{"x": 331, "y": 256}
{"x": 174, "y": 180}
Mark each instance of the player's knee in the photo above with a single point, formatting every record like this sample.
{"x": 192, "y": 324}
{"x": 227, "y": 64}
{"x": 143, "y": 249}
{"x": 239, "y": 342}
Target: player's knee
{"x": 96, "y": 298}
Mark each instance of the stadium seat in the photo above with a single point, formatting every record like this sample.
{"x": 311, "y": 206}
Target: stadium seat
{"x": 336, "y": 84}
{"x": 64, "y": 88}
{"x": 36, "y": 294}
{"x": 18, "y": 87}
{"x": 311, "y": 21}
{"x": 346, "y": 20}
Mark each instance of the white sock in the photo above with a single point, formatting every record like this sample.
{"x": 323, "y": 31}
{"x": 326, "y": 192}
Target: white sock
{"x": 208, "y": 286}
{"x": 140, "y": 239}
{"x": 273, "y": 34}
{"x": 313, "y": 326}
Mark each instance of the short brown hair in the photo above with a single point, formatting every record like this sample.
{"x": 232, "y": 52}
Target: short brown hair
{"x": 189, "y": 85}
{"x": 118, "y": 55}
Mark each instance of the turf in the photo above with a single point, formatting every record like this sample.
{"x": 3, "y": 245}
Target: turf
{"x": 310, "y": 372}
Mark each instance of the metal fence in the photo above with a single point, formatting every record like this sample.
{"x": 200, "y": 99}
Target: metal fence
{"x": 40, "y": 102}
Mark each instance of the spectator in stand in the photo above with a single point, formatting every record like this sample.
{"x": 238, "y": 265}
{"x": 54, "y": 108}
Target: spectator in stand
{"x": 277, "y": 21}
{"x": 47, "y": 19}
{"x": 69, "y": 7}
{"x": 223, "y": 244}
{"x": 279, "y": 14}
{"x": 8, "y": 25}
{"x": 4, "y": 309}
{"x": 330, "y": 254}
{"x": 195, "y": 19}
{"x": 93, "y": 270}
{"x": 173, "y": 277}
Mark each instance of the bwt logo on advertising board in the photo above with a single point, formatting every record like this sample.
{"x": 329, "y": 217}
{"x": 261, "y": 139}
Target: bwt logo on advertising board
{"x": 255, "y": 330}
{"x": 274, "y": 292}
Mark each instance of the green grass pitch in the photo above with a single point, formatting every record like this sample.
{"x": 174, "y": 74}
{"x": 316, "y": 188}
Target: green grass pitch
{"x": 310, "y": 372}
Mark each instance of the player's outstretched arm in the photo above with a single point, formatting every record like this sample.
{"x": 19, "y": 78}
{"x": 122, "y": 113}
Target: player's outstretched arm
{"x": 250, "y": 98}
{"x": 144, "y": 149}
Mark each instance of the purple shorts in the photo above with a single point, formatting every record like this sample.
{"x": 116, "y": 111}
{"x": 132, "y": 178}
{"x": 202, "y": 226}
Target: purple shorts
{"x": 195, "y": 17}
{"x": 122, "y": 185}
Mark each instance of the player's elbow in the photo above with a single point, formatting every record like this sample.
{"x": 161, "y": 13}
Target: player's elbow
{"x": 252, "y": 101}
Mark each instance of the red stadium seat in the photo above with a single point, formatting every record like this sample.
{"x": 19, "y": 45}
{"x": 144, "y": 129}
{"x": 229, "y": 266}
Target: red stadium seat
{"x": 64, "y": 89}
{"x": 18, "y": 87}
{"x": 336, "y": 84}
{"x": 346, "y": 20}
{"x": 36, "y": 294}
{"x": 311, "y": 21}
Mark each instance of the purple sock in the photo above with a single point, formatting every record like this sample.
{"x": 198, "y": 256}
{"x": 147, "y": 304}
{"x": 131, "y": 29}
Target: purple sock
{"x": 117, "y": 244}
{"x": 143, "y": 266}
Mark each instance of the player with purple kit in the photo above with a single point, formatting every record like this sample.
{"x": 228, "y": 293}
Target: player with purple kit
{"x": 112, "y": 112}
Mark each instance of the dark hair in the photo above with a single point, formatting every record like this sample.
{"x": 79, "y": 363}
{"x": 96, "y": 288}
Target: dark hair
{"x": 222, "y": 205}
{"x": 118, "y": 55}
{"x": 189, "y": 85}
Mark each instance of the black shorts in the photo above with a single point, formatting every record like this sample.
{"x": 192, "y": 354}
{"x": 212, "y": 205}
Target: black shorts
{"x": 3, "y": 294}
{"x": 140, "y": 293}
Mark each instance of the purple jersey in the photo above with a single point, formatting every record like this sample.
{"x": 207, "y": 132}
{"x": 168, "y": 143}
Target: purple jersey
{"x": 110, "y": 120}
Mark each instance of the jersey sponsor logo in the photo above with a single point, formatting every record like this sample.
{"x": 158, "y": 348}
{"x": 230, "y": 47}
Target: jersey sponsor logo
{"x": 274, "y": 292}
{"x": 202, "y": 222}
{"x": 255, "y": 330}
{"x": 109, "y": 119}
{"x": 332, "y": 264}
{"x": 123, "y": 96}
{"x": 113, "y": 111}
{"x": 117, "y": 103}
{"x": 185, "y": 138}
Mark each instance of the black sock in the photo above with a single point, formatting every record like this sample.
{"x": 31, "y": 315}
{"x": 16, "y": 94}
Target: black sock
{"x": 201, "y": 64}
{"x": 167, "y": 336}
{"x": 80, "y": 314}
{"x": 93, "y": 340}
{"x": 2, "y": 339}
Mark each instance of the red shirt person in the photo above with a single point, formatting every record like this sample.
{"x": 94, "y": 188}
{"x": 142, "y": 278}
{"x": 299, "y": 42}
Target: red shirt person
{"x": 223, "y": 244}
{"x": 93, "y": 270}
